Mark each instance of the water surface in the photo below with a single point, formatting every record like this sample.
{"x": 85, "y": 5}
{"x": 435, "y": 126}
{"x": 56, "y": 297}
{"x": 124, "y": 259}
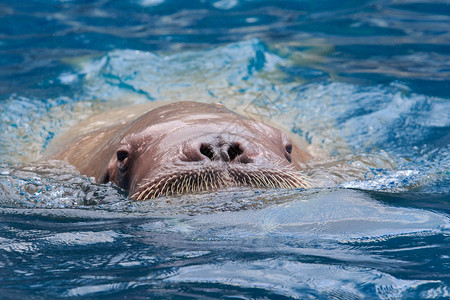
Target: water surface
{"x": 363, "y": 83}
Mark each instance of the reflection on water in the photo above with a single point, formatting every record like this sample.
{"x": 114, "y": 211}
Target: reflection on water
{"x": 366, "y": 41}
{"x": 88, "y": 239}
{"x": 364, "y": 84}
{"x": 333, "y": 243}
{"x": 382, "y": 138}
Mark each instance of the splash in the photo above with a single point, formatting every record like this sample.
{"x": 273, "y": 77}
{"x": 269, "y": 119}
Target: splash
{"x": 375, "y": 138}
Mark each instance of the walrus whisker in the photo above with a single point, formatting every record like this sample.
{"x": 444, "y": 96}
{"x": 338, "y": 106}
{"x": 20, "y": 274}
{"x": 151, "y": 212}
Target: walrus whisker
{"x": 194, "y": 184}
{"x": 200, "y": 182}
{"x": 273, "y": 180}
{"x": 172, "y": 188}
{"x": 188, "y": 184}
{"x": 277, "y": 180}
{"x": 249, "y": 179}
{"x": 264, "y": 179}
{"x": 176, "y": 186}
{"x": 205, "y": 182}
{"x": 284, "y": 183}
{"x": 141, "y": 194}
{"x": 257, "y": 179}
{"x": 299, "y": 181}
{"x": 181, "y": 185}
{"x": 144, "y": 193}
{"x": 184, "y": 185}
{"x": 286, "y": 177}
{"x": 194, "y": 181}
{"x": 211, "y": 183}
{"x": 267, "y": 180}
{"x": 196, "y": 157}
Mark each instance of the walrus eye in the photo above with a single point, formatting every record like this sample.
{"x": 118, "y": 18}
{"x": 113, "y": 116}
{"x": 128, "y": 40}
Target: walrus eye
{"x": 121, "y": 155}
{"x": 122, "y": 160}
{"x": 289, "y": 148}
{"x": 288, "y": 152}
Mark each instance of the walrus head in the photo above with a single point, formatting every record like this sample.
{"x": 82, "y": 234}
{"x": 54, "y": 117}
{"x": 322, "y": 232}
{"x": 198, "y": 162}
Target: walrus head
{"x": 189, "y": 147}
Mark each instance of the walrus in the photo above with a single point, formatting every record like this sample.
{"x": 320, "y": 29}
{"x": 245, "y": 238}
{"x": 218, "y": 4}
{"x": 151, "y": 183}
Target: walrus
{"x": 186, "y": 147}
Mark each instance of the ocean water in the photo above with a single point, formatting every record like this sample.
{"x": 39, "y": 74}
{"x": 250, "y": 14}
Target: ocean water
{"x": 365, "y": 85}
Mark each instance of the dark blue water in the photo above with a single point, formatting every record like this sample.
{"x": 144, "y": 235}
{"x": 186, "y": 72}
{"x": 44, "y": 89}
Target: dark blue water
{"x": 364, "y": 83}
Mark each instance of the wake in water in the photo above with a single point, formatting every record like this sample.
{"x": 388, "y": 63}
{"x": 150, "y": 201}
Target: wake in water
{"x": 356, "y": 235}
{"x": 362, "y": 137}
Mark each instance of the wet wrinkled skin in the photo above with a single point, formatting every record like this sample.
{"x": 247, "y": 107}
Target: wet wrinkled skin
{"x": 187, "y": 147}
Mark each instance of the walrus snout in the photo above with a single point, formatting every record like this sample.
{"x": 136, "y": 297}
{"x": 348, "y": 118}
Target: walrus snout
{"x": 228, "y": 150}
{"x": 187, "y": 147}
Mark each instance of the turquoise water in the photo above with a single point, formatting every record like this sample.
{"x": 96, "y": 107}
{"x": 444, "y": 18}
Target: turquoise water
{"x": 364, "y": 83}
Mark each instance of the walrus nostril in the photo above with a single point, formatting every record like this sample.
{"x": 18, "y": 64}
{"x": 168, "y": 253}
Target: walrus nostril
{"x": 207, "y": 151}
{"x": 234, "y": 151}
{"x": 289, "y": 148}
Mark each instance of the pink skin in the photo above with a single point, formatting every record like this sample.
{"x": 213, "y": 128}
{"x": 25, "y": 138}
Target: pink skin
{"x": 188, "y": 147}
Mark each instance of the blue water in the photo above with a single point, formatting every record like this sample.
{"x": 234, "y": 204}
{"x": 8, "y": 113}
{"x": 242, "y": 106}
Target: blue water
{"x": 364, "y": 83}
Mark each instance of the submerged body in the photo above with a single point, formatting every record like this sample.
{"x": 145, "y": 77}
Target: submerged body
{"x": 186, "y": 147}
